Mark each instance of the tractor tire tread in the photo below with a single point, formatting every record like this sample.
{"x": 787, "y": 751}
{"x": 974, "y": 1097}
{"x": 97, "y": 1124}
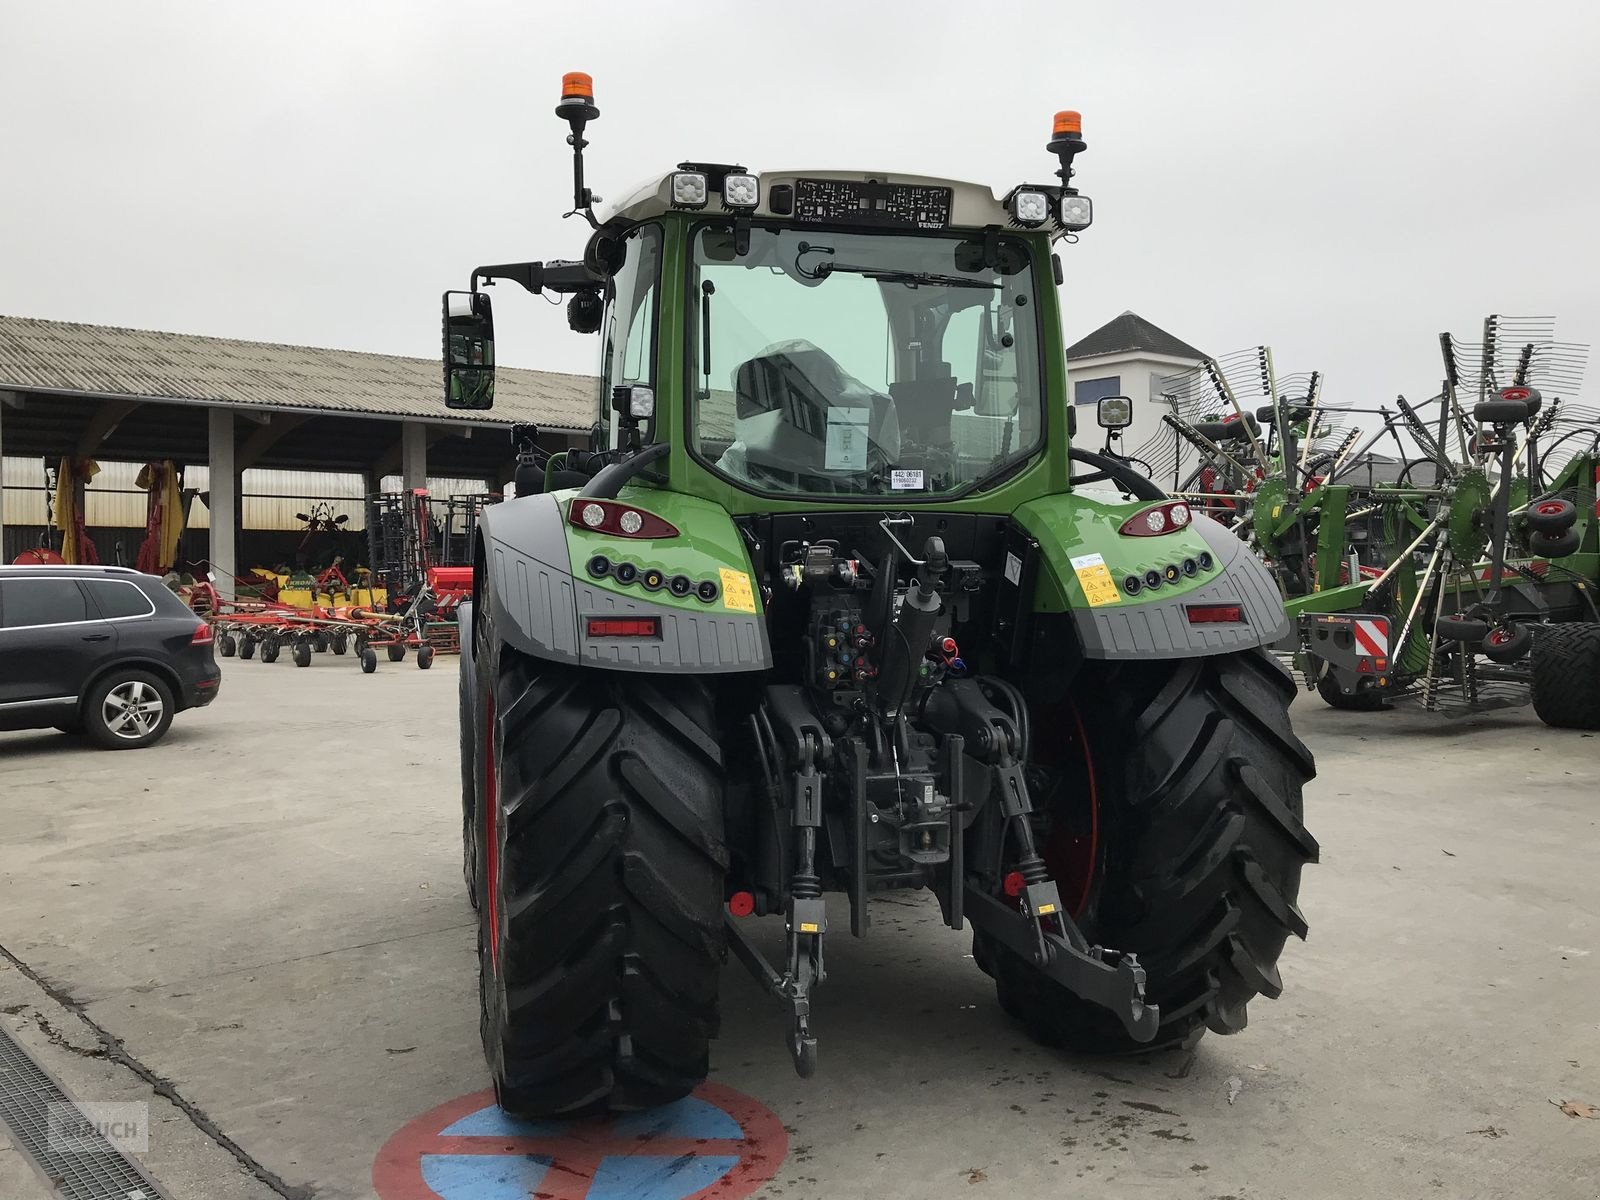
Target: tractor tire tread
{"x": 1205, "y": 885}
{"x": 610, "y": 888}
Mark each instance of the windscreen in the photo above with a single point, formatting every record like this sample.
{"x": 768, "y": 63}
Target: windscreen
{"x": 861, "y": 363}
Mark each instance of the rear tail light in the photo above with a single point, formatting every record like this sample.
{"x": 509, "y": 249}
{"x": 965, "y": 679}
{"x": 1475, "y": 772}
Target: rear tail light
{"x": 1163, "y": 518}
{"x": 611, "y": 627}
{"x": 204, "y": 635}
{"x": 619, "y": 520}
{"x": 1215, "y": 614}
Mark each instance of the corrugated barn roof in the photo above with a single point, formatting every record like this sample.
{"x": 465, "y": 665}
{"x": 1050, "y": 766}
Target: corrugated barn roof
{"x": 61, "y": 356}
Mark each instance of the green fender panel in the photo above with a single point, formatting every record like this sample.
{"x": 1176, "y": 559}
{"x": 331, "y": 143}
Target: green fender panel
{"x": 542, "y": 595}
{"x": 1087, "y": 564}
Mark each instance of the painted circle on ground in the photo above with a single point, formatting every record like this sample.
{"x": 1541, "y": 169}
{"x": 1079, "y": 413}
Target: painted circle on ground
{"x": 715, "y": 1142}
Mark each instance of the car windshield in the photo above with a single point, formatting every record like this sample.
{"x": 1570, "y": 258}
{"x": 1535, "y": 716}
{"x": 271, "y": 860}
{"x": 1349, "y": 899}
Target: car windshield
{"x": 862, "y": 363}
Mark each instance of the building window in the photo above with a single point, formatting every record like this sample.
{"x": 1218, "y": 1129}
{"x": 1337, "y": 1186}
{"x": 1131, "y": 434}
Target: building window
{"x": 1092, "y": 391}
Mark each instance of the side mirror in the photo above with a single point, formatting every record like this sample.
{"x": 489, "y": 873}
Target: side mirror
{"x": 468, "y": 350}
{"x": 1114, "y": 412}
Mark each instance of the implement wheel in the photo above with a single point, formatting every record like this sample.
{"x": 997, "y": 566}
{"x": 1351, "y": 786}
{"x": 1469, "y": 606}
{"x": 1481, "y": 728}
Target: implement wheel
{"x": 1566, "y": 675}
{"x": 1193, "y": 852}
{"x": 600, "y": 936}
{"x": 1366, "y": 700}
{"x": 397, "y": 651}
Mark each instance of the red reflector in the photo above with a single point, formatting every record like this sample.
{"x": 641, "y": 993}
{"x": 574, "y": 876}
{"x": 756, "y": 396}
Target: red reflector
{"x": 204, "y": 635}
{"x": 1215, "y": 614}
{"x": 1015, "y": 884}
{"x": 741, "y": 904}
{"x": 624, "y": 627}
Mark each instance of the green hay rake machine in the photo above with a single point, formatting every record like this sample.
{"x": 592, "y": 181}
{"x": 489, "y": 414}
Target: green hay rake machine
{"x": 1463, "y": 572}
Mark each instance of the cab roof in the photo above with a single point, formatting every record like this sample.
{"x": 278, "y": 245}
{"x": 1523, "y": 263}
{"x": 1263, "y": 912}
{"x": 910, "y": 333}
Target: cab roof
{"x": 972, "y": 205}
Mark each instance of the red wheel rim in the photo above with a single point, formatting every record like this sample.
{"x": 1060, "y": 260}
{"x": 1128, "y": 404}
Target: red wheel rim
{"x": 1072, "y": 851}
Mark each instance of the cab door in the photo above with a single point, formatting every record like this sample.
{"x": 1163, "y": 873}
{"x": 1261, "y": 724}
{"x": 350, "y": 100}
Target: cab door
{"x": 49, "y": 643}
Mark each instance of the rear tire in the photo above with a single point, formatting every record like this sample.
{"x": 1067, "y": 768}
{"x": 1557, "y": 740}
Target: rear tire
{"x": 603, "y": 877}
{"x": 1203, "y": 844}
{"x": 1566, "y": 675}
{"x": 471, "y": 751}
{"x": 128, "y": 710}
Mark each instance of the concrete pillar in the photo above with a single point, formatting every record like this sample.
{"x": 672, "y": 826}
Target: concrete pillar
{"x": 414, "y": 455}
{"x": 224, "y": 506}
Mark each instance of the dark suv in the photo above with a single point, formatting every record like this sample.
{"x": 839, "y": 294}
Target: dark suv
{"x": 105, "y": 651}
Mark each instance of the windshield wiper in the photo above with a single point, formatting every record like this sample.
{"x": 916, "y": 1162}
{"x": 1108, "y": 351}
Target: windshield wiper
{"x": 910, "y": 278}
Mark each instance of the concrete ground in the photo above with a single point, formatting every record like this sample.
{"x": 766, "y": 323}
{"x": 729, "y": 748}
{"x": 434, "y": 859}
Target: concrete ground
{"x": 259, "y": 926}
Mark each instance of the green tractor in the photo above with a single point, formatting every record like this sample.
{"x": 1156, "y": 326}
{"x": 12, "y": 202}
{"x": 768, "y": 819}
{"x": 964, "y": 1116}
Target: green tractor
{"x": 821, "y": 609}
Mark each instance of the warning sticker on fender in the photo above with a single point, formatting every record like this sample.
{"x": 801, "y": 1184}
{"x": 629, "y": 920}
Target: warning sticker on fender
{"x": 736, "y": 593}
{"x": 1095, "y": 580}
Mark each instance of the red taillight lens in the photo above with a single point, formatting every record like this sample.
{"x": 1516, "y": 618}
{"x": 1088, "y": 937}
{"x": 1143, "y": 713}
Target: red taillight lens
{"x": 1162, "y": 518}
{"x": 617, "y": 519}
{"x": 608, "y": 627}
{"x": 204, "y": 635}
{"x": 1215, "y": 614}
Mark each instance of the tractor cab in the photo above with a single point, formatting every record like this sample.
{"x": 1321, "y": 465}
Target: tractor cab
{"x": 840, "y": 335}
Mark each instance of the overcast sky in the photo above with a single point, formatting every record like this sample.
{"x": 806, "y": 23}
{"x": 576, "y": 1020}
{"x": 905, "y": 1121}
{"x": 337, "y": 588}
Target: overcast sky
{"x": 1340, "y": 181}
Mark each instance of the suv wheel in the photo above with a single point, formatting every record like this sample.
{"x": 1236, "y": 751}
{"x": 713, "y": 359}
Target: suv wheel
{"x": 128, "y": 709}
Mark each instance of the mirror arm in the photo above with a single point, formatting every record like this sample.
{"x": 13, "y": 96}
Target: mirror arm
{"x": 529, "y": 274}
{"x": 560, "y": 276}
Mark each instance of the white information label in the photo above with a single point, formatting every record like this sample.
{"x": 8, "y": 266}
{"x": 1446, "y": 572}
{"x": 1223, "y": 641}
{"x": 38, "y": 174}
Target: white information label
{"x": 905, "y": 481}
{"x": 1013, "y": 568}
{"x": 1088, "y": 560}
{"x": 847, "y": 439}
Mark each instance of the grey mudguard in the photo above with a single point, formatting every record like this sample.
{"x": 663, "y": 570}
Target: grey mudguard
{"x": 1161, "y": 628}
{"x": 538, "y": 607}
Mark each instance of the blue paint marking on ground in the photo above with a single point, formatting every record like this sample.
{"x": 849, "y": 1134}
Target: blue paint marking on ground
{"x": 493, "y": 1122}
{"x": 484, "y": 1177}
{"x": 649, "y": 1177}
{"x": 689, "y": 1117}
{"x": 515, "y": 1169}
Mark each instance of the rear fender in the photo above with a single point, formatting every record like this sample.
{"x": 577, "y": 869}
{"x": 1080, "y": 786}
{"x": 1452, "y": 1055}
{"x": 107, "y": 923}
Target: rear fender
{"x": 541, "y": 598}
{"x": 1087, "y": 562}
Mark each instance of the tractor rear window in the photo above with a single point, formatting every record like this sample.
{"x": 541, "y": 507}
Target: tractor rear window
{"x": 863, "y": 364}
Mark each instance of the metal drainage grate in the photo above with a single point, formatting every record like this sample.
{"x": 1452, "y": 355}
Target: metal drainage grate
{"x": 98, "y": 1172}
